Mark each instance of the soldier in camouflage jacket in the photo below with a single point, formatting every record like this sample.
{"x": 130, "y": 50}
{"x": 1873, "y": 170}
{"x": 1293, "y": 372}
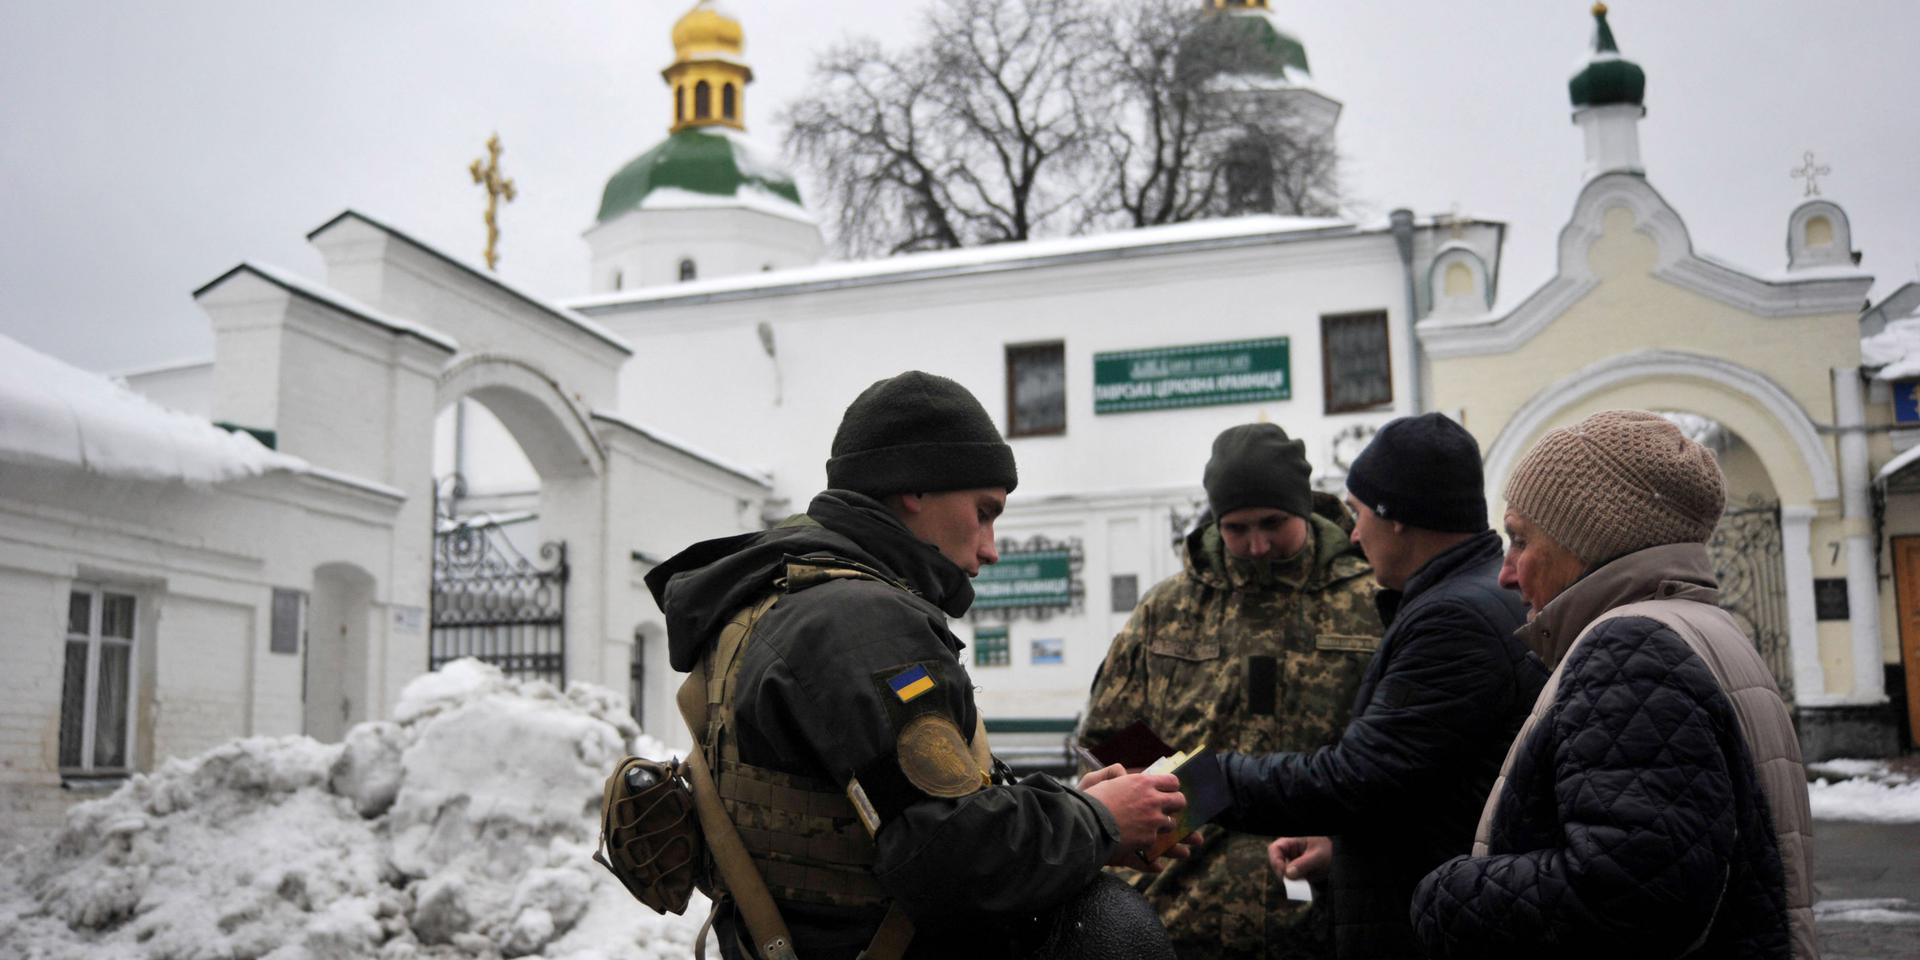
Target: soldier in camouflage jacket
{"x": 1252, "y": 655}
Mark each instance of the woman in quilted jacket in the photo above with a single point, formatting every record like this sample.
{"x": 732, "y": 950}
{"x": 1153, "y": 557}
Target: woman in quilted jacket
{"x": 1654, "y": 803}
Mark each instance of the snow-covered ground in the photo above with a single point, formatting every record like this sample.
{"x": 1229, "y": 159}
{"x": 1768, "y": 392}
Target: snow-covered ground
{"x": 462, "y": 828}
{"x": 1863, "y": 790}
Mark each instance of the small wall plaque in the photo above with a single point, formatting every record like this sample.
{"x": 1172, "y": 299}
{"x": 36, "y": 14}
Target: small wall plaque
{"x": 1830, "y": 598}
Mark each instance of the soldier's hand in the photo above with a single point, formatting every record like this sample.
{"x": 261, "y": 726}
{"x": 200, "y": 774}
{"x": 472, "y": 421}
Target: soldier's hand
{"x": 1142, "y": 804}
{"x": 1300, "y": 858}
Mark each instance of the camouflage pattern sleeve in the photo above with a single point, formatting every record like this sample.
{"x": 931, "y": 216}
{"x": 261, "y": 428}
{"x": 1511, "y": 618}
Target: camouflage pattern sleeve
{"x": 1119, "y": 695}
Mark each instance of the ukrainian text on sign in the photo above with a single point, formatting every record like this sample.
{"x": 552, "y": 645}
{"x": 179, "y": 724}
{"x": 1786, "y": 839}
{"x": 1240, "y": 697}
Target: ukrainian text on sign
{"x": 1037, "y": 579}
{"x": 1197, "y": 375}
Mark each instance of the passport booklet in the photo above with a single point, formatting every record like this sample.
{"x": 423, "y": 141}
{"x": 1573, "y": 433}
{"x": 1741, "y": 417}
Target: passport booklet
{"x": 1201, "y": 780}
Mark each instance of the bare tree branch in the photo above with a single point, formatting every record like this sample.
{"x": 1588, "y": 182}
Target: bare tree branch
{"x": 1011, "y": 119}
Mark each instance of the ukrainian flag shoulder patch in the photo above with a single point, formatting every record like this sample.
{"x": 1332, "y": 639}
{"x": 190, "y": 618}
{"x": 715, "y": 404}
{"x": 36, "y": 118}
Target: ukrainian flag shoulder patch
{"x": 910, "y": 683}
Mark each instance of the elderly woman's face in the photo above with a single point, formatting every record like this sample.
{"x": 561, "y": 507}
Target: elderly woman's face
{"x": 1535, "y": 565}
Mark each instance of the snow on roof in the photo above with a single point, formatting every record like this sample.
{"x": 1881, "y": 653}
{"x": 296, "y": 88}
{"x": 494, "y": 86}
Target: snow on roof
{"x": 294, "y": 283}
{"x": 531, "y": 299}
{"x": 1785, "y": 276}
{"x": 53, "y": 413}
{"x": 759, "y": 475}
{"x": 1895, "y": 350}
{"x": 1897, "y": 464}
{"x": 991, "y": 257}
{"x": 748, "y": 195}
{"x": 462, "y": 829}
{"x": 167, "y": 366}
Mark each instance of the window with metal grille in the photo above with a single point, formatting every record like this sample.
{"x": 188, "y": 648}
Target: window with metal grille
{"x": 990, "y": 647}
{"x": 97, "y": 687}
{"x": 289, "y": 608}
{"x": 1037, "y": 389}
{"x": 1354, "y": 361}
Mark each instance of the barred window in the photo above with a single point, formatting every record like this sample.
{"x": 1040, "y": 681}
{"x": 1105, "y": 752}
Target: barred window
{"x": 1037, "y": 389}
{"x": 97, "y": 683}
{"x": 289, "y": 607}
{"x": 1355, "y": 362}
{"x": 990, "y": 647}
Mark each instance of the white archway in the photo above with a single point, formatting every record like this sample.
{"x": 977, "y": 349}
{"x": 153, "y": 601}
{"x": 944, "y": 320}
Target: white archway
{"x": 554, "y": 433}
{"x": 1789, "y": 445}
{"x": 549, "y": 428}
{"x": 1813, "y": 464}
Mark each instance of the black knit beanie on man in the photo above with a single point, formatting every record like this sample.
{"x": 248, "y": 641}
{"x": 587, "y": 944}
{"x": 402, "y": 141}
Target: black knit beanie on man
{"x": 1256, "y": 465}
{"x": 918, "y": 433}
{"x": 1424, "y": 472}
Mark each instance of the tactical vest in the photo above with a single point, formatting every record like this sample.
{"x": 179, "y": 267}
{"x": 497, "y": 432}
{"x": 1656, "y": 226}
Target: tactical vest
{"x": 803, "y": 833}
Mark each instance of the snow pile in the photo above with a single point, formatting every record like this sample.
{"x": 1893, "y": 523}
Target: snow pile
{"x": 1863, "y": 790}
{"x": 462, "y": 828}
{"x": 1895, "y": 350}
{"x": 1883, "y": 910}
{"x": 52, "y": 413}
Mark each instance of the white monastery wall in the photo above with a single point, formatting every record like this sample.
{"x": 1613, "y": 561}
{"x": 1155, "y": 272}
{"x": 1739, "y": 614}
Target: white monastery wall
{"x": 644, "y": 248}
{"x": 700, "y": 370}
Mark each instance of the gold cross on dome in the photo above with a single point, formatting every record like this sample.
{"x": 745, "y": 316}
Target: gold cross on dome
{"x": 1811, "y": 172}
{"x": 497, "y": 187}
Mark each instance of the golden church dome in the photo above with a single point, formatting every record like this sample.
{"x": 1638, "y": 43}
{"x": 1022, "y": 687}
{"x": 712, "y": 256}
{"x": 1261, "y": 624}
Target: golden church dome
{"x": 705, "y": 30}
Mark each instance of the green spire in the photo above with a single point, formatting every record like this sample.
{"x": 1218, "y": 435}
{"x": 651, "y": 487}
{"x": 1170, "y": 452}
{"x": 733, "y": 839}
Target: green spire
{"x": 1607, "y": 78}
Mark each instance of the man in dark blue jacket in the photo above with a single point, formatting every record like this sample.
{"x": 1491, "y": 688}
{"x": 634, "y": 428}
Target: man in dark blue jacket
{"x": 1402, "y": 789}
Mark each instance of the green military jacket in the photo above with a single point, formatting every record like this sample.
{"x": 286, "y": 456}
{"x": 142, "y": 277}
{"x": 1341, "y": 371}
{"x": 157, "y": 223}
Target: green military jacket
{"x": 1214, "y": 659}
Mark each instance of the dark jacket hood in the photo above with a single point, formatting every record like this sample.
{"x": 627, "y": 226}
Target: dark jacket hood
{"x": 703, "y": 586}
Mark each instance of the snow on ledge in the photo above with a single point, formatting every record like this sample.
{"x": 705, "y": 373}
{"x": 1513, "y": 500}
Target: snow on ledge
{"x": 55, "y": 414}
{"x": 1194, "y": 234}
{"x": 756, "y": 475}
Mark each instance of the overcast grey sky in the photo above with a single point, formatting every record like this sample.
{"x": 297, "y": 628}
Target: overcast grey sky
{"x": 147, "y": 147}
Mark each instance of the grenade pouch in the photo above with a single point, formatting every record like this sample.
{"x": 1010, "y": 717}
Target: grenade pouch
{"x": 650, "y": 835}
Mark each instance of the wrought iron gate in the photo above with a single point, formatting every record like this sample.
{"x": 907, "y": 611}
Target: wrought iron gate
{"x": 1747, "y": 561}
{"x": 493, "y": 604}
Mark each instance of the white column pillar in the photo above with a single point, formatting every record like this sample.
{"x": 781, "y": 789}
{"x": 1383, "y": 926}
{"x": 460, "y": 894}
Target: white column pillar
{"x": 1863, "y": 574}
{"x": 1803, "y": 627}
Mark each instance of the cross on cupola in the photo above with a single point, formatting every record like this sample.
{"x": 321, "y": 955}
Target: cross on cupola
{"x": 1811, "y": 172}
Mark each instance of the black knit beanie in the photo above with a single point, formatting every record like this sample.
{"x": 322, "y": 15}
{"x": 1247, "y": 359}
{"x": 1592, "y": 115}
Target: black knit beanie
{"x": 1424, "y": 472}
{"x": 918, "y": 433}
{"x": 1257, "y": 466}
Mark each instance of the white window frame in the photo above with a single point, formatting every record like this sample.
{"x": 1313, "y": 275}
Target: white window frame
{"x": 90, "y": 697}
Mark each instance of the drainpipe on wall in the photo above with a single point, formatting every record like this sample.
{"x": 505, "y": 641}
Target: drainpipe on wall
{"x": 1856, "y": 510}
{"x": 1402, "y": 224}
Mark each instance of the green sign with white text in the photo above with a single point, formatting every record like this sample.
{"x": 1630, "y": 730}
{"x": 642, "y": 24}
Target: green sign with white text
{"x": 1199, "y": 375}
{"x": 1042, "y": 578}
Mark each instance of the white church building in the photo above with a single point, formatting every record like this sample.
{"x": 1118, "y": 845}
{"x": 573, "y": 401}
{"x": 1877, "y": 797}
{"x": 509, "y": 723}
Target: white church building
{"x": 406, "y": 460}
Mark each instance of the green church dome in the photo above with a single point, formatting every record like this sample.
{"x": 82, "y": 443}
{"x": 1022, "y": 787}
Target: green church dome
{"x": 701, "y": 165}
{"x": 1607, "y": 78}
{"x": 1280, "y": 52}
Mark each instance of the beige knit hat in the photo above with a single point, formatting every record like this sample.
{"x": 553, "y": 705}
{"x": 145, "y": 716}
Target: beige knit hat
{"x": 1617, "y": 482}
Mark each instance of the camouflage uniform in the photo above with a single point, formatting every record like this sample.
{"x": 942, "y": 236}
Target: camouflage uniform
{"x": 1226, "y": 658}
